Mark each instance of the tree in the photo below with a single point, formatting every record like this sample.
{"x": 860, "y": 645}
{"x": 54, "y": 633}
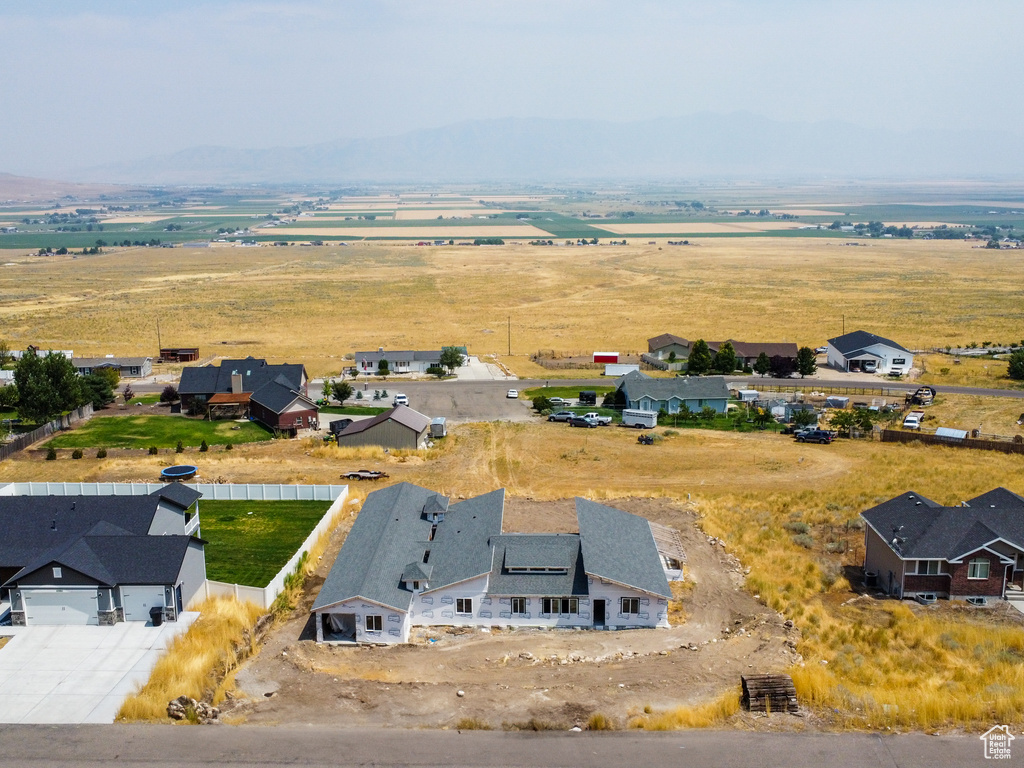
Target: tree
{"x": 383, "y": 369}
{"x": 804, "y": 418}
{"x": 5, "y": 353}
{"x": 762, "y": 365}
{"x": 47, "y": 386}
{"x": 672, "y": 356}
{"x": 340, "y": 391}
{"x": 843, "y": 421}
{"x": 781, "y": 367}
{"x": 111, "y": 374}
{"x": 452, "y": 358}
{"x": 169, "y": 395}
{"x": 128, "y": 393}
{"x": 707, "y": 413}
{"x": 1015, "y": 370}
{"x": 700, "y": 358}
{"x": 762, "y": 416}
{"x": 9, "y": 397}
{"x": 806, "y": 362}
{"x": 725, "y": 359}
{"x": 96, "y": 389}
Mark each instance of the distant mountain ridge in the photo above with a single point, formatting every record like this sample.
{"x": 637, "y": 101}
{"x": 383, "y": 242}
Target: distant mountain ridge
{"x": 545, "y": 150}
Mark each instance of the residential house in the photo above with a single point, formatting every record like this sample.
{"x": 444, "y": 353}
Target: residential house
{"x": 399, "y": 361}
{"x": 99, "y": 559}
{"x": 862, "y": 351}
{"x": 695, "y": 392}
{"x": 274, "y": 395}
{"x": 661, "y": 348}
{"x": 127, "y": 367}
{"x": 413, "y": 559}
{"x": 398, "y": 428}
{"x": 914, "y": 546}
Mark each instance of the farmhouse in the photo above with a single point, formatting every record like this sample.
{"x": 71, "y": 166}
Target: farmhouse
{"x": 648, "y": 394}
{"x": 661, "y": 348}
{"x": 274, "y": 395}
{"x": 99, "y": 559}
{"x": 398, "y": 428}
{"x": 863, "y": 351}
{"x": 413, "y": 559}
{"x": 974, "y": 551}
{"x": 127, "y": 367}
{"x": 399, "y": 361}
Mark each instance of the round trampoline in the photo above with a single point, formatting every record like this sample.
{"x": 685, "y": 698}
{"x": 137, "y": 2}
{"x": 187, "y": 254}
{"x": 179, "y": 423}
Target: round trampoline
{"x": 179, "y": 472}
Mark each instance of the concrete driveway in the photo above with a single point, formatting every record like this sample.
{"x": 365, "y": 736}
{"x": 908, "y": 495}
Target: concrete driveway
{"x": 78, "y": 674}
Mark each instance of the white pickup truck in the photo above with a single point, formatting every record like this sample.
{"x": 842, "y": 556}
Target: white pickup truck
{"x": 601, "y": 421}
{"x": 913, "y": 420}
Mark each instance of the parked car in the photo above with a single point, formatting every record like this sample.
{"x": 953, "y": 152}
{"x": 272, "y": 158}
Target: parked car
{"x": 821, "y": 350}
{"x": 400, "y": 399}
{"x": 822, "y": 436}
{"x": 561, "y": 416}
{"x": 512, "y": 394}
{"x": 582, "y": 421}
{"x": 913, "y": 420}
{"x": 365, "y": 474}
{"x": 559, "y": 402}
{"x": 601, "y": 421}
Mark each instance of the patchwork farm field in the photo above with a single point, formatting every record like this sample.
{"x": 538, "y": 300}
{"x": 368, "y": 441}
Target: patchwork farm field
{"x": 318, "y": 304}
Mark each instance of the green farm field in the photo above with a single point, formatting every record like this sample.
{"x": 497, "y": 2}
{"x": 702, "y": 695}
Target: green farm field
{"x": 248, "y": 542}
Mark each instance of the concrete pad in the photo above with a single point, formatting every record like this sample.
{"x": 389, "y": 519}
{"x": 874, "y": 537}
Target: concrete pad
{"x": 78, "y": 674}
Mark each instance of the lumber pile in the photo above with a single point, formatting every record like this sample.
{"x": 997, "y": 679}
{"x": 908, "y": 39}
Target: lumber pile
{"x": 769, "y": 693}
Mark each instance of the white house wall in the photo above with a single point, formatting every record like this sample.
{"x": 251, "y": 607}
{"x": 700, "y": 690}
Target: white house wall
{"x": 885, "y": 354}
{"x": 395, "y": 627}
{"x": 437, "y": 608}
{"x": 653, "y": 609}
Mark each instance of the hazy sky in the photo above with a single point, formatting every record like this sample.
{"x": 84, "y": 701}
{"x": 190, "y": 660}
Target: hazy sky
{"x": 86, "y": 83}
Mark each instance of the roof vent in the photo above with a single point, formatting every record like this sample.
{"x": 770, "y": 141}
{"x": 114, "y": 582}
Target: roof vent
{"x": 917, "y": 504}
{"x": 911, "y": 496}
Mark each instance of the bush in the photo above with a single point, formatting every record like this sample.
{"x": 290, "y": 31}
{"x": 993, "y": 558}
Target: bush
{"x": 797, "y": 527}
{"x": 599, "y": 722}
{"x": 179, "y": 448}
{"x": 203, "y": 447}
{"x": 153, "y": 450}
{"x": 472, "y": 724}
{"x": 51, "y": 454}
{"x": 101, "y": 453}
{"x": 804, "y": 540}
{"x": 229, "y": 447}
{"x": 541, "y": 404}
{"x": 77, "y": 453}
{"x": 169, "y": 395}
{"x": 836, "y": 547}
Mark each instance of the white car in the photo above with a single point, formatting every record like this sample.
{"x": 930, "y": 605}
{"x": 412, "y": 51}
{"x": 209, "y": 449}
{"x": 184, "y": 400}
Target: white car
{"x": 400, "y": 399}
{"x": 512, "y": 394}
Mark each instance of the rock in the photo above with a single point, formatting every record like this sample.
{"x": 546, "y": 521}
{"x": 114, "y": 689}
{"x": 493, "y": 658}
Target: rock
{"x": 460, "y": 694}
{"x": 187, "y": 708}
{"x": 576, "y": 729}
{"x": 526, "y": 655}
{"x": 788, "y": 623}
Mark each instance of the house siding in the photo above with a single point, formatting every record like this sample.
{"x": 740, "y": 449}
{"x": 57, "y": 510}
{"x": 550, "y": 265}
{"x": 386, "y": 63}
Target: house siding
{"x": 395, "y": 623}
{"x": 192, "y": 575}
{"x": 938, "y": 585}
{"x": 880, "y": 558}
{"x": 285, "y": 420}
{"x": 963, "y": 587}
{"x": 437, "y": 607}
{"x": 389, "y": 434}
{"x": 653, "y": 608}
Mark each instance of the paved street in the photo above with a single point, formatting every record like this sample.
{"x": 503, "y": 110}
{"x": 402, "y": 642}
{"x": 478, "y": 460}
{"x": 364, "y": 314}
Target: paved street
{"x": 160, "y": 746}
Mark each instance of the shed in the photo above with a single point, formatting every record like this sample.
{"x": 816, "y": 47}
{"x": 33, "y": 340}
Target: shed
{"x": 748, "y": 395}
{"x": 606, "y": 357}
{"x": 837, "y": 401}
{"x": 398, "y": 428}
{"x": 951, "y": 434}
{"x": 619, "y": 369}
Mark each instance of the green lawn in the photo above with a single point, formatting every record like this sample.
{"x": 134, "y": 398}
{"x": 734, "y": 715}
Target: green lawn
{"x": 161, "y": 431}
{"x": 566, "y": 392}
{"x": 354, "y": 410}
{"x": 250, "y": 549}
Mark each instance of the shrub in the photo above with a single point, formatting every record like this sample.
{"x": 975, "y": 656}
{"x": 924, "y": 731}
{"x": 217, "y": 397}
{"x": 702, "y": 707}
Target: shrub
{"x": 836, "y": 547}
{"x": 169, "y": 395}
{"x": 101, "y": 453}
{"x": 179, "y": 448}
{"x": 541, "y": 404}
{"x": 804, "y": 540}
{"x": 153, "y": 450}
{"x": 229, "y": 447}
{"x": 77, "y": 453}
{"x": 51, "y": 454}
{"x": 472, "y": 724}
{"x": 599, "y": 722}
{"x": 797, "y": 527}
{"x": 203, "y": 447}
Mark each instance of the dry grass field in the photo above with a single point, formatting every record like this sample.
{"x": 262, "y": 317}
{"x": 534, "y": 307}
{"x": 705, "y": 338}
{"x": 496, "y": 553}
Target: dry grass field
{"x": 318, "y": 304}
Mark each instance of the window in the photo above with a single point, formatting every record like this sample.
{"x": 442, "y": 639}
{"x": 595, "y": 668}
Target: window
{"x": 977, "y": 568}
{"x": 927, "y": 567}
{"x": 518, "y": 605}
{"x": 561, "y": 605}
{"x": 56, "y": 572}
{"x": 415, "y": 585}
{"x": 426, "y": 556}
{"x": 433, "y": 530}
{"x": 629, "y": 605}
{"x": 374, "y": 623}
{"x": 464, "y": 606}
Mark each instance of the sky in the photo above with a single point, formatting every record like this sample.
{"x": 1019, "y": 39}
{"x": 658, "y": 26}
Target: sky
{"x": 82, "y": 84}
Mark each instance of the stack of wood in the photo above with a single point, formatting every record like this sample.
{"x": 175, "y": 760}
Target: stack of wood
{"x": 769, "y": 693}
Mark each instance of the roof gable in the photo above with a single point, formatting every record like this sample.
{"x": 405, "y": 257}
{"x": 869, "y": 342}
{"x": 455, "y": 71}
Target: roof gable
{"x": 859, "y": 340}
{"x": 637, "y": 384}
{"x": 620, "y": 547}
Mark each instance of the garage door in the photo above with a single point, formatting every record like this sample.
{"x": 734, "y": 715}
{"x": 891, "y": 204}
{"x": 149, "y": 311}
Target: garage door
{"x": 138, "y": 600}
{"x": 60, "y": 606}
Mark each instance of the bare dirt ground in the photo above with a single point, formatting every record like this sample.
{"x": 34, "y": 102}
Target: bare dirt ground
{"x": 556, "y": 678}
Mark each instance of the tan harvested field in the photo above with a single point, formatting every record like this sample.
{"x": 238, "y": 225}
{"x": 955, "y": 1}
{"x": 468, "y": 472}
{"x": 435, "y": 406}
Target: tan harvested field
{"x": 135, "y": 219}
{"x": 698, "y": 227}
{"x": 804, "y": 211}
{"x": 425, "y": 214}
{"x": 318, "y": 304}
{"x": 425, "y": 233}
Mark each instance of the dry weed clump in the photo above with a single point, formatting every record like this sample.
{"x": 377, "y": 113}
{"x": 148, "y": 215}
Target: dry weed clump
{"x": 705, "y": 715}
{"x": 197, "y": 661}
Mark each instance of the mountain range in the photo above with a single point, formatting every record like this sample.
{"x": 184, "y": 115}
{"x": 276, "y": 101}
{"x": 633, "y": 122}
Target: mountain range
{"x": 738, "y": 145}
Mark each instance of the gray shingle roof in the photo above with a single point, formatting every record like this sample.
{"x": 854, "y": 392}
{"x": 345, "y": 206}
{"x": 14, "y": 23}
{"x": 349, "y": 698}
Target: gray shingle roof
{"x": 399, "y": 356}
{"x": 112, "y": 560}
{"x": 662, "y": 341}
{"x": 932, "y": 531}
{"x": 99, "y": 362}
{"x": 461, "y": 547}
{"x": 637, "y": 384}
{"x": 856, "y": 341}
{"x": 255, "y": 372}
{"x": 620, "y": 547}
{"x": 179, "y": 494}
{"x": 401, "y": 414}
{"x": 556, "y": 550}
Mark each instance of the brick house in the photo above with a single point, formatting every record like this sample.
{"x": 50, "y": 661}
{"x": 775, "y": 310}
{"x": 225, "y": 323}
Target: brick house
{"x": 917, "y": 547}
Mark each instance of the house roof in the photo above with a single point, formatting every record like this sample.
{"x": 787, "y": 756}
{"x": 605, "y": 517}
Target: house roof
{"x": 256, "y": 372}
{"x": 230, "y": 398}
{"x": 401, "y": 356}
{"x": 620, "y": 547}
{"x": 99, "y": 362}
{"x": 755, "y": 348}
{"x": 664, "y": 340}
{"x": 541, "y": 550}
{"x": 178, "y": 494}
{"x": 916, "y": 527}
{"x": 856, "y": 341}
{"x": 637, "y": 384}
{"x": 402, "y": 414}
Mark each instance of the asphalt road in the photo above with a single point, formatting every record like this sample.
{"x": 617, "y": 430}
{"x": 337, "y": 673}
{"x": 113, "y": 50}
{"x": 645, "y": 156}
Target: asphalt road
{"x": 316, "y": 747}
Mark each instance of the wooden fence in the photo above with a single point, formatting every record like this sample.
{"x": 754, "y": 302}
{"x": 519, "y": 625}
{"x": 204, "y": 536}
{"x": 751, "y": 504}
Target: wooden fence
{"x": 22, "y": 442}
{"x": 897, "y": 436}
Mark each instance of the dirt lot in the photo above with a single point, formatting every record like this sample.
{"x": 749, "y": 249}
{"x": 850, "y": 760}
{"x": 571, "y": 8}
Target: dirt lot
{"x": 508, "y": 677}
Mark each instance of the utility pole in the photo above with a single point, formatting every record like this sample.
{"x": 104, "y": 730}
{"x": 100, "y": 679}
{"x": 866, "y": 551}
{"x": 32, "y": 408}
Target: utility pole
{"x": 159, "y": 344}
{"x": 510, "y": 335}
{"x": 844, "y": 325}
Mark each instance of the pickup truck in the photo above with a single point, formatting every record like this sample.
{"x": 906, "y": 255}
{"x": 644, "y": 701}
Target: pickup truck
{"x": 913, "y": 420}
{"x": 602, "y": 421}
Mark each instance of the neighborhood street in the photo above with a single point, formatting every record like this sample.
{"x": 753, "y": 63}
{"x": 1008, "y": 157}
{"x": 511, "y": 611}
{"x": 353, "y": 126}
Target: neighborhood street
{"x": 147, "y": 746}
